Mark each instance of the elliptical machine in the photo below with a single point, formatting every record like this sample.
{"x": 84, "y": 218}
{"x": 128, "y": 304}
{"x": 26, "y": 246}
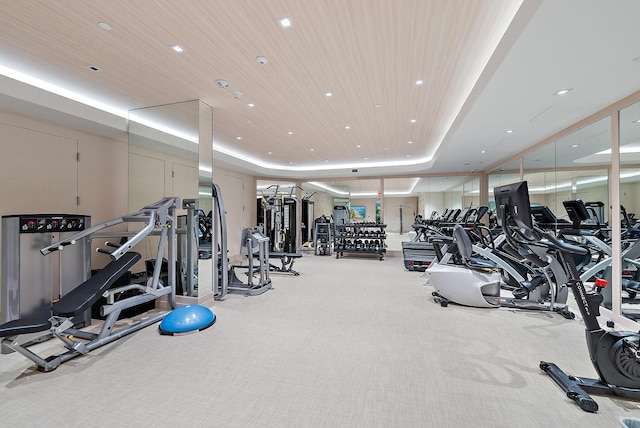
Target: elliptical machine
{"x": 614, "y": 355}
{"x": 476, "y": 281}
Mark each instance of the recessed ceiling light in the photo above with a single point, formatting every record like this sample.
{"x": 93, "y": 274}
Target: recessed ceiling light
{"x": 251, "y": 105}
{"x": 509, "y": 131}
{"x": 378, "y": 105}
{"x": 93, "y": 68}
{"x": 408, "y": 156}
{"x": 285, "y": 22}
{"x": 419, "y": 82}
{"x": 563, "y": 91}
{"x": 290, "y": 132}
{"x": 269, "y": 153}
{"x": 412, "y": 121}
{"x": 366, "y": 158}
{"x": 313, "y": 150}
{"x": 410, "y": 142}
{"x": 483, "y": 151}
{"x": 290, "y": 163}
{"x": 328, "y": 94}
{"x": 358, "y": 146}
{"x": 177, "y": 48}
{"x": 238, "y": 138}
{"x": 347, "y": 127}
{"x": 326, "y": 160}
{"x": 636, "y": 121}
{"x": 104, "y": 26}
{"x": 573, "y": 146}
{"x": 262, "y": 60}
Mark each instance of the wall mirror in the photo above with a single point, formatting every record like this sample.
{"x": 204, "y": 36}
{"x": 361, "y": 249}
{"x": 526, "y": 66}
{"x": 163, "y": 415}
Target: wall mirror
{"x": 582, "y": 173}
{"x": 630, "y": 200}
{"x": 505, "y": 174}
{"x": 171, "y": 154}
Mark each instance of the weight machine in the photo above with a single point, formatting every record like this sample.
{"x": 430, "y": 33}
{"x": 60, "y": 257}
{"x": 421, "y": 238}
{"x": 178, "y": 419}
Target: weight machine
{"x": 253, "y": 244}
{"x": 157, "y": 219}
{"x": 277, "y": 212}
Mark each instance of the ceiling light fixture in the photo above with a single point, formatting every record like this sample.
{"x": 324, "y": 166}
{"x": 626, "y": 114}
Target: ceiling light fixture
{"x": 177, "y": 48}
{"x": 636, "y": 121}
{"x": 262, "y": 60}
{"x": 93, "y": 68}
{"x": 347, "y": 127}
{"x": 483, "y": 151}
{"x": 412, "y": 121}
{"x": 104, "y": 26}
{"x": 573, "y": 146}
{"x": 563, "y": 91}
{"x": 285, "y": 22}
{"x": 238, "y": 138}
{"x": 509, "y": 131}
{"x": 419, "y": 82}
{"x": 312, "y": 150}
{"x": 328, "y": 94}
{"x": 410, "y": 142}
{"x": 269, "y": 153}
{"x": 251, "y": 105}
{"x": 290, "y": 132}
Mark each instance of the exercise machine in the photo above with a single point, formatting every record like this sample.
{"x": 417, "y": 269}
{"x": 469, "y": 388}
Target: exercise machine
{"x": 478, "y": 282}
{"x": 31, "y": 282}
{"x": 277, "y": 213}
{"x": 614, "y": 355}
{"x": 253, "y": 244}
{"x": 157, "y": 219}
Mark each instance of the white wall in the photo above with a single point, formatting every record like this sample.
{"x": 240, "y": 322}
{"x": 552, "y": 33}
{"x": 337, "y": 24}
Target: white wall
{"x": 40, "y": 171}
{"x": 430, "y": 202}
{"x": 392, "y": 213}
{"x": 238, "y": 195}
{"x": 40, "y": 174}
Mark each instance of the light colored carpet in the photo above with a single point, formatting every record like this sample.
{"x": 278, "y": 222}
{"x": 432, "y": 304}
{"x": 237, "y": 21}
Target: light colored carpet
{"x": 354, "y": 342}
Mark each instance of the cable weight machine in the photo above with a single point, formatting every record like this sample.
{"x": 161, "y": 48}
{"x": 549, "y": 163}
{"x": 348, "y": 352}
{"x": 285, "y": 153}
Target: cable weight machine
{"x": 278, "y": 214}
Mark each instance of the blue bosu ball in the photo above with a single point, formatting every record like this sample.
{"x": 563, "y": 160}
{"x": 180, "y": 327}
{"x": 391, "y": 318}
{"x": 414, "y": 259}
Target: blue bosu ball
{"x": 187, "y": 319}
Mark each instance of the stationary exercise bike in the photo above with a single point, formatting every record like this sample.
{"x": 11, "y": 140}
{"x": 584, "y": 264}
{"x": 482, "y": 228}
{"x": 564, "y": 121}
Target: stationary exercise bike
{"x": 614, "y": 355}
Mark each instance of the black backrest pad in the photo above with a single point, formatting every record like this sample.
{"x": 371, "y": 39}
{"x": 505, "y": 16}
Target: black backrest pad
{"x": 463, "y": 241}
{"x": 86, "y": 294}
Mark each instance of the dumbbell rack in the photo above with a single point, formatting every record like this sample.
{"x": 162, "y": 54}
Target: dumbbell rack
{"x": 360, "y": 238}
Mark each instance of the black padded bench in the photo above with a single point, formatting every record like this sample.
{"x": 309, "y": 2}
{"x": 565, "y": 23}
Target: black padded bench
{"x": 286, "y": 259}
{"x": 78, "y": 300}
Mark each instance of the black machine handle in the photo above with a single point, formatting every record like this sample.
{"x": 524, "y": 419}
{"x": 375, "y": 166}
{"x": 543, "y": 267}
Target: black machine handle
{"x": 560, "y": 244}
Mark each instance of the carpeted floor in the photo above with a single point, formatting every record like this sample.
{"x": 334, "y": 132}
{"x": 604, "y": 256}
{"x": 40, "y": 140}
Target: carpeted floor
{"x": 354, "y": 342}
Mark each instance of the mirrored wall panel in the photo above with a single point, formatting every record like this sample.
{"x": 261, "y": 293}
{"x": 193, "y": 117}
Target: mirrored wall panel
{"x": 171, "y": 154}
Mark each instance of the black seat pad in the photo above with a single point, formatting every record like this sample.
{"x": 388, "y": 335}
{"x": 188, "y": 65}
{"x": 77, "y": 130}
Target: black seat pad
{"x": 86, "y": 294}
{"x": 283, "y": 255}
{"x": 23, "y": 326}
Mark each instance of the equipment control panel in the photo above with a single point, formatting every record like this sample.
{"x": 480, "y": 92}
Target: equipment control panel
{"x": 51, "y": 223}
